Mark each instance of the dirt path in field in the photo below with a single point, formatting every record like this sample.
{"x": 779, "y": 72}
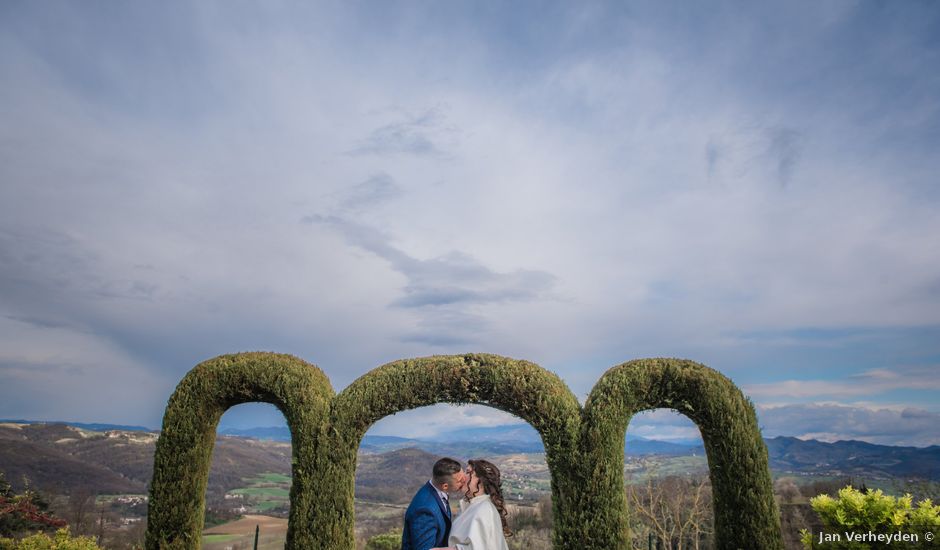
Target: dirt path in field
{"x": 272, "y": 535}
{"x": 246, "y": 526}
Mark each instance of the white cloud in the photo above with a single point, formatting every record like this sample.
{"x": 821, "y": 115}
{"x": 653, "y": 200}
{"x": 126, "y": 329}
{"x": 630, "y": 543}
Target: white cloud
{"x": 868, "y": 383}
{"x": 437, "y": 420}
{"x": 832, "y": 422}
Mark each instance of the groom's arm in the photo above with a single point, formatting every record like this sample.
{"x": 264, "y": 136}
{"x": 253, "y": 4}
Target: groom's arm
{"x": 424, "y": 530}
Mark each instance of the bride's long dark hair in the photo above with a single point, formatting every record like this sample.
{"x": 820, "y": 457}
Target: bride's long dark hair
{"x": 492, "y": 485}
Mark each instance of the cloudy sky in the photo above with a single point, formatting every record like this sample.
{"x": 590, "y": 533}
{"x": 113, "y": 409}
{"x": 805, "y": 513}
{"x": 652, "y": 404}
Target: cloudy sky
{"x": 577, "y": 184}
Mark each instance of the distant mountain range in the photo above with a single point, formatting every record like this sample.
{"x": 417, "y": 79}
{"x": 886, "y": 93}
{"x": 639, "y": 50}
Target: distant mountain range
{"x": 853, "y": 458}
{"x": 54, "y": 450}
{"x": 515, "y": 438}
{"x": 59, "y": 458}
{"x": 787, "y": 454}
{"x": 85, "y": 426}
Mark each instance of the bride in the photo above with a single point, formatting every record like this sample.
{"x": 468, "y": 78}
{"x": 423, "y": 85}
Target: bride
{"x": 481, "y": 525}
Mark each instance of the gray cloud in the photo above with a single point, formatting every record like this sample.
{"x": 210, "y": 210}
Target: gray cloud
{"x": 868, "y": 383}
{"x": 38, "y": 322}
{"x": 377, "y": 189}
{"x": 712, "y": 157}
{"x": 832, "y": 422}
{"x": 48, "y": 275}
{"x": 453, "y": 278}
{"x": 151, "y": 187}
{"x": 880, "y": 424}
{"x": 754, "y": 151}
{"x": 448, "y": 327}
{"x": 419, "y": 135}
{"x": 25, "y": 368}
{"x": 444, "y": 288}
{"x": 437, "y": 338}
{"x": 785, "y": 146}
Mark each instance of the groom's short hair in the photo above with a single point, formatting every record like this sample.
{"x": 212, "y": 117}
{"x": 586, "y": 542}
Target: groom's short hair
{"x": 444, "y": 469}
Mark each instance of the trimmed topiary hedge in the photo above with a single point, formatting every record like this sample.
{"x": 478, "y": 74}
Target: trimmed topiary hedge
{"x": 184, "y": 450}
{"x": 584, "y": 447}
{"x": 746, "y": 514}
{"x": 519, "y": 387}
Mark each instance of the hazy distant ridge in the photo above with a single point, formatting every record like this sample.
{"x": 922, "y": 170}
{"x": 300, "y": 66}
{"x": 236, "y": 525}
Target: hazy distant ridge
{"x": 495, "y": 439}
{"x": 787, "y": 454}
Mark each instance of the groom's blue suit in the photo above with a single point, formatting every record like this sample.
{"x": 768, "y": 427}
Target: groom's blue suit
{"x": 427, "y": 521}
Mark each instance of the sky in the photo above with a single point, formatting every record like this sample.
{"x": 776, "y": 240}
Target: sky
{"x": 752, "y": 186}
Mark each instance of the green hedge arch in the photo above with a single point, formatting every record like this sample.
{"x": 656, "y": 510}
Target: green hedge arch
{"x": 184, "y": 450}
{"x": 746, "y": 514}
{"x": 584, "y": 446}
{"x": 522, "y": 388}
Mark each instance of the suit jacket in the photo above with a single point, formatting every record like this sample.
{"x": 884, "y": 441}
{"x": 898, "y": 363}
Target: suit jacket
{"x": 427, "y": 521}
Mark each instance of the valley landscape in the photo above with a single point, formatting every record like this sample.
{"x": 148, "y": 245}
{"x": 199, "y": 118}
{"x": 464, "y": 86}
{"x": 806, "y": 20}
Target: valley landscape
{"x": 108, "y": 467}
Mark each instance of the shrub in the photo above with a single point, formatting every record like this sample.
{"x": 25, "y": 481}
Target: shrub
{"x": 869, "y": 512}
{"x": 24, "y": 512}
{"x": 60, "y": 541}
{"x": 385, "y": 541}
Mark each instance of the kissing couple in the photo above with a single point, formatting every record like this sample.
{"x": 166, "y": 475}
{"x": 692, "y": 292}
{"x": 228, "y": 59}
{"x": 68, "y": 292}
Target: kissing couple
{"x": 481, "y": 523}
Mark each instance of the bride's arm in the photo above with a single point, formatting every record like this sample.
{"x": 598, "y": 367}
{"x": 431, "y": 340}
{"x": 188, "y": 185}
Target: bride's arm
{"x": 474, "y": 538}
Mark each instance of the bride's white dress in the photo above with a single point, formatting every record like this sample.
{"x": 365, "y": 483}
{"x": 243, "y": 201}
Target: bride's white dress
{"x": 478, "y": 527}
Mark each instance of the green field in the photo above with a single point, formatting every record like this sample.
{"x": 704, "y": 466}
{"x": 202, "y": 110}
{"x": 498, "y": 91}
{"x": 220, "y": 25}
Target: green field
{"x": 267, "y": 505}
{"x": 640, "y": 470}
{"x": 277, "y": 492}
{"x": 265, "y": 492}
{"x": 269, "y": 477}
{"x": 212, "y": 539}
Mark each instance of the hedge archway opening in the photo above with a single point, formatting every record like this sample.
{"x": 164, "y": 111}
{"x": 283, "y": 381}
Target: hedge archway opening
{"x": 666, "y": 481}
{"x": 250, "y": 475}
{"x": 184, "y": 450}
{"x": 745, "y": 511}
{"x": 520, "y": 388}
{"x": 450, "y": 430}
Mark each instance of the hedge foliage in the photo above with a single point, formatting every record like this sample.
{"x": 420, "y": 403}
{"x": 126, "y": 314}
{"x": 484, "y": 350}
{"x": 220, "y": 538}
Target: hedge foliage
{"x": 181, "y": 463}
{"x": 584, "y": 447}
{"x": 519, "y": 387}
{"x": 746, "y": 514}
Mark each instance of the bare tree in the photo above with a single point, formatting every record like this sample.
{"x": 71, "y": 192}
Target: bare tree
{"x": 81, "y": 510}
{"x": 787, "y": 489}
{"x": 676, "y": 510}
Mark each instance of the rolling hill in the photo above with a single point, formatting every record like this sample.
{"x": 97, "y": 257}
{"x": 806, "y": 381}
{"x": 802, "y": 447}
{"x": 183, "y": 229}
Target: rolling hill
{"x": 64, "y": 458}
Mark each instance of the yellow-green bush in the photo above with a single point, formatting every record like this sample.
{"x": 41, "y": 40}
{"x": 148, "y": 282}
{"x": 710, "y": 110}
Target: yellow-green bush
{"x": 385, "y": 541}
{"x": 584, "y": 447}
{"x": 859, "y": 513}
{"x": 62, "y": 540}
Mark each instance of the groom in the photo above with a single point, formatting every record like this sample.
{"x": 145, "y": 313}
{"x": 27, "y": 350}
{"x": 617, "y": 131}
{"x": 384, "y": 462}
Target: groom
{"x": 427, "y": 521}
